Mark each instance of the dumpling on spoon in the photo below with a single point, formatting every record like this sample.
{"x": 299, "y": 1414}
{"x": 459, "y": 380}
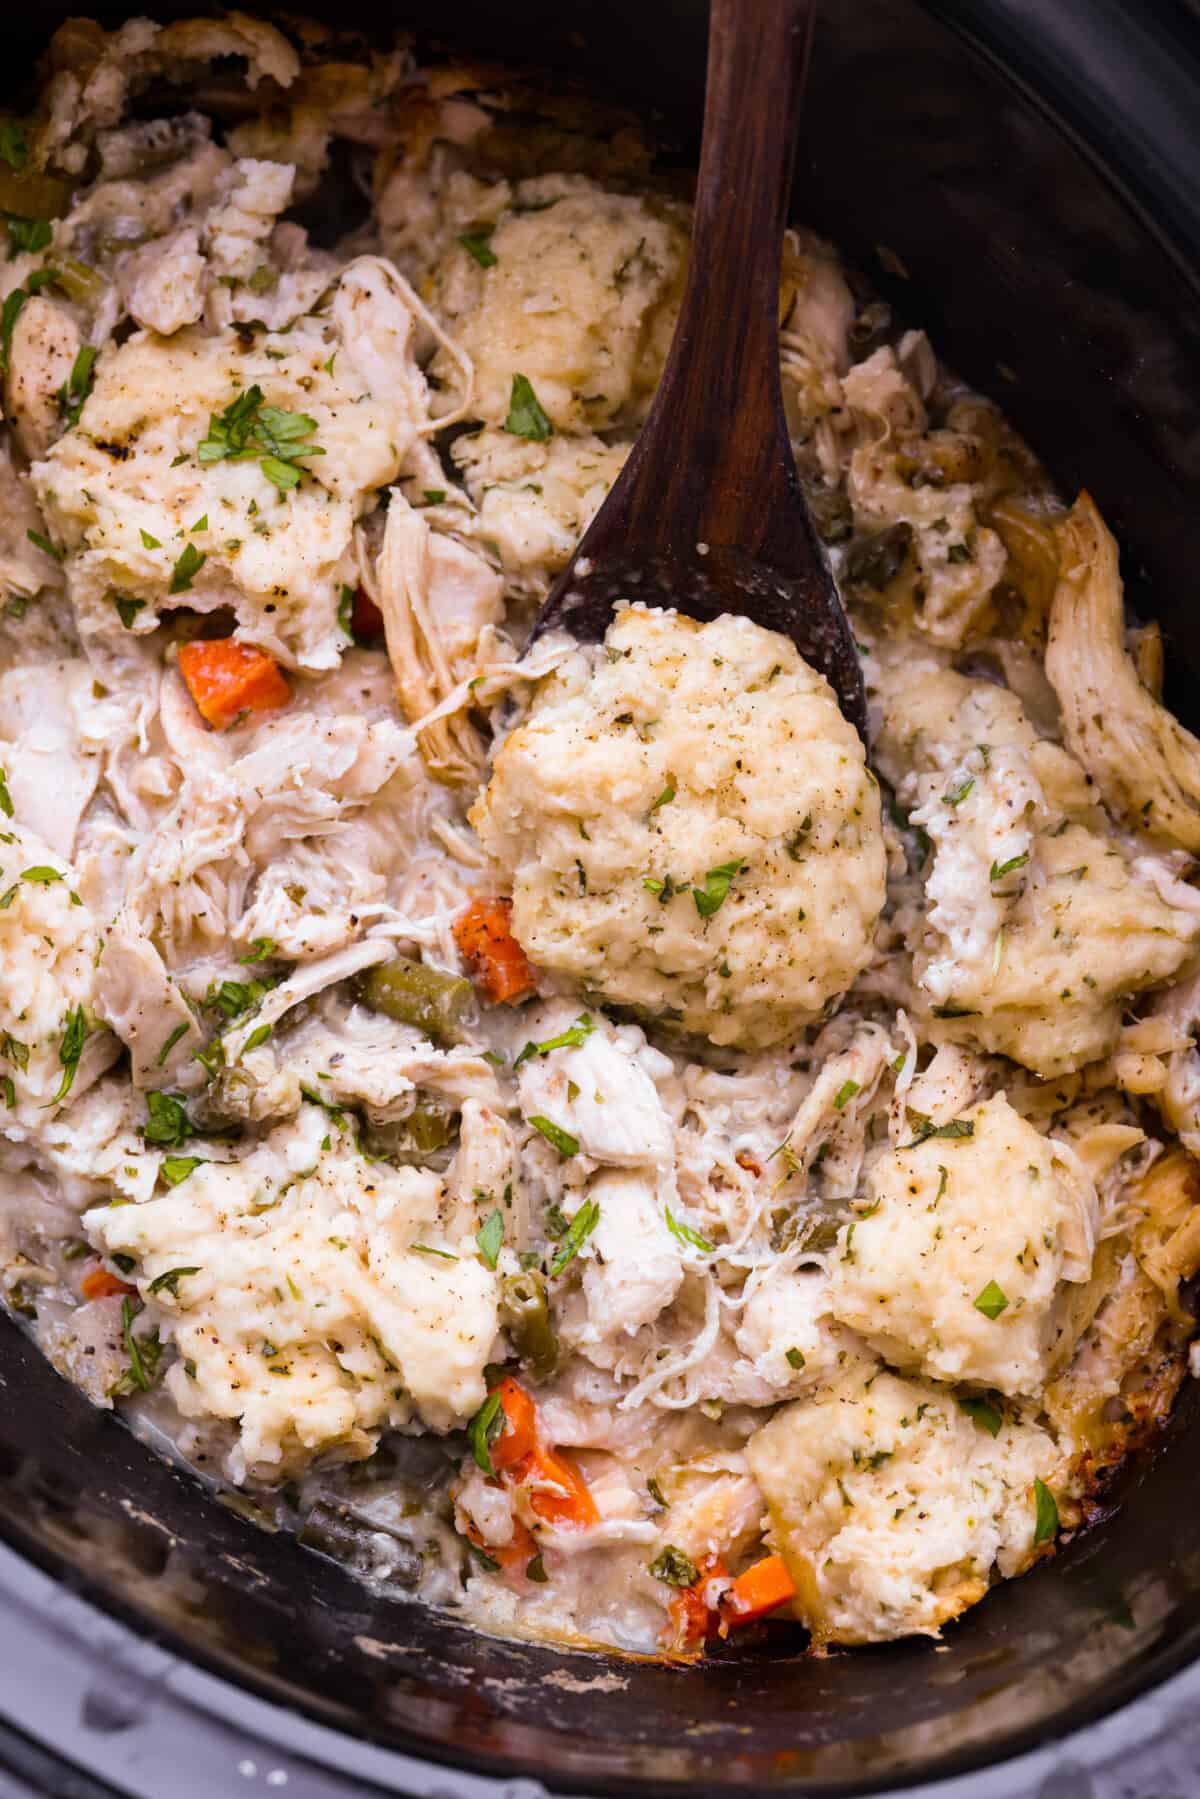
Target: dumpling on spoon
{"x": 690, "y": 828}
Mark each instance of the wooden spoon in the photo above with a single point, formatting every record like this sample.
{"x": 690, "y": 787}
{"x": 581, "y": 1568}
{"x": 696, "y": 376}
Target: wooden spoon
{"x": 708, "y": 514}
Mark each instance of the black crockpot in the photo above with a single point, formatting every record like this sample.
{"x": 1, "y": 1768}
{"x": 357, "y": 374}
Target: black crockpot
{"x": 1021, "y": 177}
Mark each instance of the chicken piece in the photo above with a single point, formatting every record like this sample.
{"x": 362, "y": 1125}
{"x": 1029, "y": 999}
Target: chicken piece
{"x": 94, "y": 72}
{"x": 50, "y": 1046}
{"x": 633, "y": 1265}
{"x": 536, "y": 500}
{"x": 438, "y": 598}
{"x": 602, "y": 1091}
{"x": 236, "y": 231}
{"x": 51, "y": 767}
{"x": 1038, "y": 922}
{"x": 162, "y": 284}
{"x": 1146, "y": 765}
{"x": 45, "y": 343}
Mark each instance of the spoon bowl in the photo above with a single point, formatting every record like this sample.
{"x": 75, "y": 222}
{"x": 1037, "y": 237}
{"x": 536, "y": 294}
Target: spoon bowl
{"x": 708, "y": 514}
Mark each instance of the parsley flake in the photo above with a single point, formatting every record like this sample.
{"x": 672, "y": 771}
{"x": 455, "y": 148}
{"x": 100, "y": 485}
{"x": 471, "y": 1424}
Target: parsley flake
{"x": 476, "y": 244}
{"x": 992, "y": 1301}
{"x": 563, "y": 1141}
{"x": 1045, "y": 1526}
{"x": 986, "y": 1415}
{"x": 685, "y": 1234}
{"x": 525, "y": 415}
{"x": 711, "y": 897}
{"x": 580, "y": 1229}
{"x": 187, "y": 567}
{"x": 490, "y": 1237}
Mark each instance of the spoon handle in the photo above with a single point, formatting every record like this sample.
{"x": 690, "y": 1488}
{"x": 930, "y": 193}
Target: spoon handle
{"x": 713, "y": 462}
{"x": 757, "y": 59}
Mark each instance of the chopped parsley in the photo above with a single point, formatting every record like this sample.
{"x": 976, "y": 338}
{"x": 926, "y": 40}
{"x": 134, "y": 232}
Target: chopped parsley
{"x": 75, "y": 1035}
{"x": 490, "y": 1237}
{"x": 6, "y": 805}
{"x": 578, "y": 1232}
{"x": 169, "y": 1282}
{"x": 845, "y": 1094}
{"x": 257, "y": 1038}
{"x": 667, "y": 795}
{"x": 43, "y": 543}
{"x": 525, "y": 415}
{"x": 127, "y": 607}
{"x": 986, "y": 1415}
{"x": 434, "y": 496}
{"x": 10, "y": 312}
{"x": 14, "y": 1051}
{"x": 168, "y": 1122}
{"x": 235, "y": 997}
{"x": 1000, "y": 869}
{"x": 188, "y": 565}
{"x": 148, "y": 542}
{"x": 14, "y": 145}
{"x": 563, "y": 1141}
{"x": 686, "y": 1234}
{"x": 476, "y": 245}
{"x": 957, "y": 795}
{"x": 711, "y": 897}
{"x": 675, "y": 1568}
{"x": 78, "y": 384}
{"x": 924, "y": 1128}
{"x": 248, "y": 431}
{"x": 143, "y": 1353}
{"x": 574, "y": 1035}
{"x": 483, "y": 1430}
{"x": 799, "y": 837}
{"x": 175, "y": 1169}
{"x": 794, "y": 1358}
{"x": 260, "y": 949}
{"x": 1045, "y": 1526}
{"x": 181, "y": 1030}
{"x": 427, "y": 1249}
{"x": 992, "y": 1301}
{"x": 29, "y": 235}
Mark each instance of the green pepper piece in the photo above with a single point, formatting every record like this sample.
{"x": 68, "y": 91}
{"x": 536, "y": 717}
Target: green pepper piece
{"x": 525, "y": 1315}
{"x": 411, "y": 993}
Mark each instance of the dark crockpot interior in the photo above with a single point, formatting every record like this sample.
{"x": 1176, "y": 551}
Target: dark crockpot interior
{"x": 1051, "y": 255}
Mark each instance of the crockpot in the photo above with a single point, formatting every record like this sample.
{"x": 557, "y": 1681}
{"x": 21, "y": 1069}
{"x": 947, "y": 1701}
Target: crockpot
{"x": 1021, "y": 177}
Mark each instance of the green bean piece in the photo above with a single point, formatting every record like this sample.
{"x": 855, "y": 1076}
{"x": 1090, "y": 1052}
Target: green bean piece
{"x": 430, "y": 1127}
{"x": 30, "y": 195}
{"x": 79, "y": 282}
{"x": 525, "y": 1315}
{"x": 411, "y": 993}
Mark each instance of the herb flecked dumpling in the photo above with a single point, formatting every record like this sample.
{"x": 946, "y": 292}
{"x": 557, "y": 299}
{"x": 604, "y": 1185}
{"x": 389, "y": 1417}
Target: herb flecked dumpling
{"x": 691, "y": 828}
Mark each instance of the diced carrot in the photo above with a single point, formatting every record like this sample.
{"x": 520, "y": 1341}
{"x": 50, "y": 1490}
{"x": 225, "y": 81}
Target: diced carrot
{"x": 691, "y": 1617}
{"x": 366, "y": 617}
{"x": 98, "y": 1283}
{"x": 763, "y": 1588}
{"x": 484, "y": 935}
{"x": 513, "y": 1556}
{"x": 558, "y": 1491}
{"x": 227, "y": 677}
{"x": 690, "y": 1621}
{"x": 519, "y": 1436}
{"x": 750, "y": 1163}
